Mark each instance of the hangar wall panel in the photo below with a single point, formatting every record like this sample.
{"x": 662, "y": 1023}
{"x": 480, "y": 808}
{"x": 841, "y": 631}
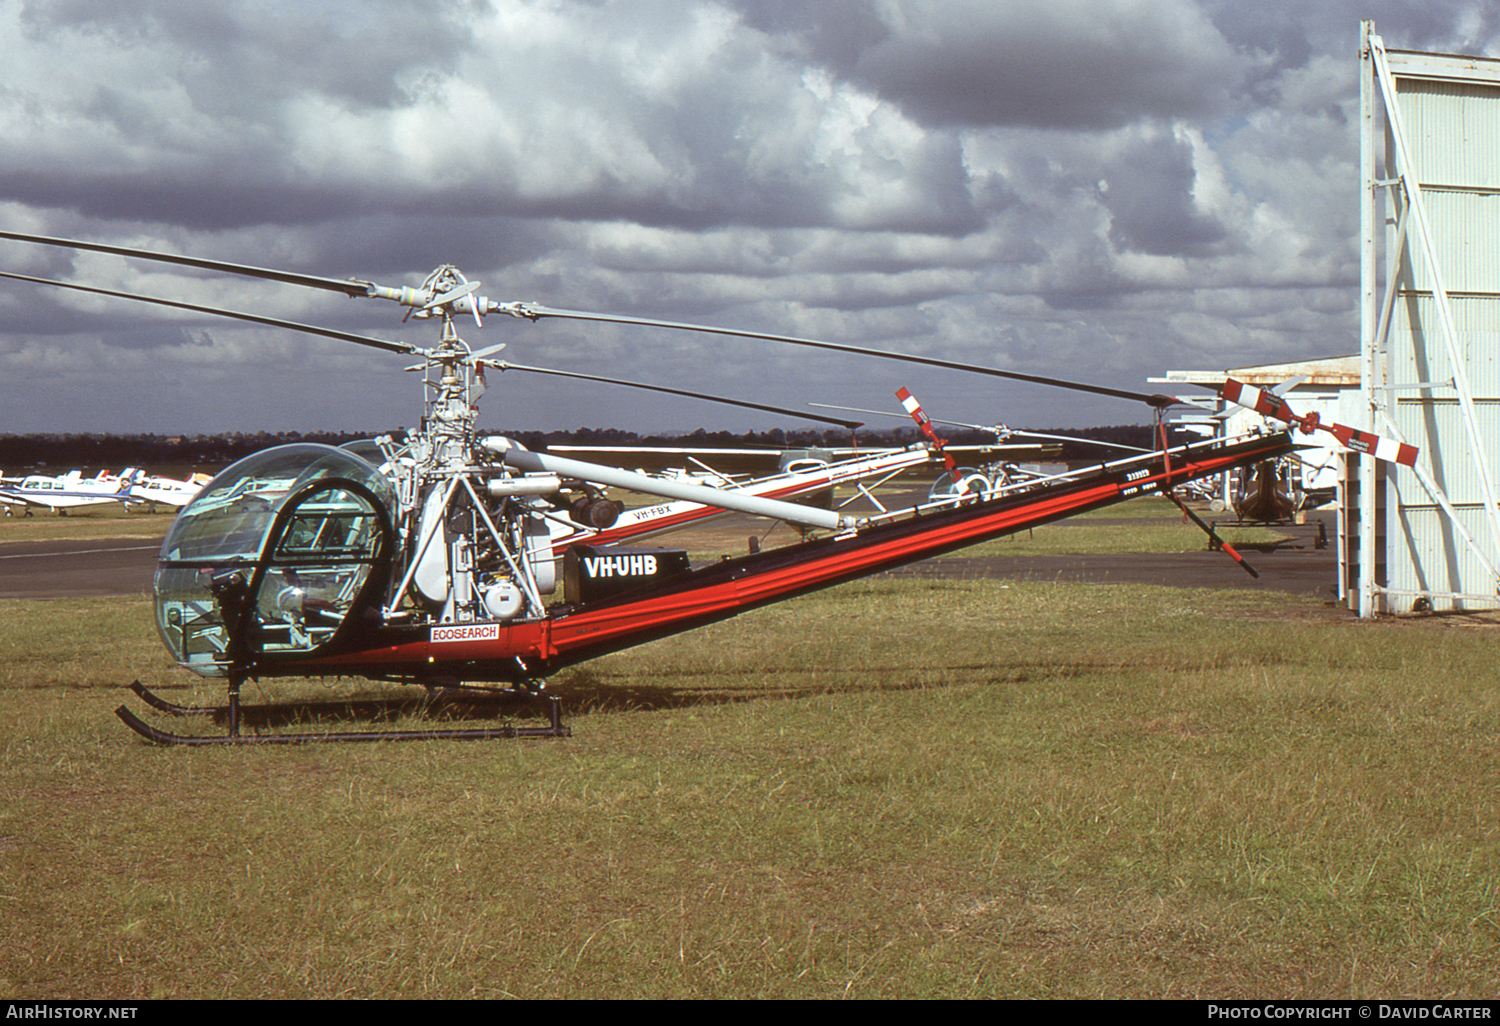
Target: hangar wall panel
{"x": 1438, "y": 564}
{"x": 1418, "y": 349}
{"x": 1449, "y": 108}
{"x": 1453, "y": 127}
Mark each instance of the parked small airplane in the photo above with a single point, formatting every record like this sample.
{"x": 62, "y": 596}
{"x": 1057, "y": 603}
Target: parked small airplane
{"x": 67, "y": 491}
{"x": 167, "y": 490}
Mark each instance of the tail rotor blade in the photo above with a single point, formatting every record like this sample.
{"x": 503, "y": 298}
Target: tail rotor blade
{"x": 914, "y": 408}
{"x": 1268, "y": 404}
{"x": 1380, "y": 447}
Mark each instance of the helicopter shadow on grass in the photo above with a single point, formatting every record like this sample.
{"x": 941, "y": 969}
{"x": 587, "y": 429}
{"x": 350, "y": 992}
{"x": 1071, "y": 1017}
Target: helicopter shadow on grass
{"x": 587, "y": 692}
{"x": 583, "y": 695}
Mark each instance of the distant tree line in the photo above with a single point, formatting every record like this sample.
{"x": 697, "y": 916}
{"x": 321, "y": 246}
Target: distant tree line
{"x": 95, "y": 451}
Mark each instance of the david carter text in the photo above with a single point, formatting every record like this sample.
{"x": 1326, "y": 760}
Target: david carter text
{"x": 1361, "y": 1010}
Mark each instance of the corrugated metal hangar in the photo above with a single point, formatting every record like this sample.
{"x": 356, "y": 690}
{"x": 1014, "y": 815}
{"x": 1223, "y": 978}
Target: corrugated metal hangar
{"x": 1425, "y": 537}
{"x": 1429, "y": 537}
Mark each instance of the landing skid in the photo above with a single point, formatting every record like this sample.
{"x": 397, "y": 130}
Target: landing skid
{"x": 155, "y": 701}
{"x": 235, "y": 715}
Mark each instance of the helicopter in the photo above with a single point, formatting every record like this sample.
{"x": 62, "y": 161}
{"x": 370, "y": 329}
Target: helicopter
{"x": 436, "y": 559}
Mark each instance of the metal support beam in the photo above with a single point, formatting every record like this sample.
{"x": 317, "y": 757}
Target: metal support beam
{"x": 1371, "y": 367}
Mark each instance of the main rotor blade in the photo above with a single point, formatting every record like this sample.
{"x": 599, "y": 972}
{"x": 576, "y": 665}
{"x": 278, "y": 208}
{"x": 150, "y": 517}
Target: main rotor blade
{"x": 275, "y": 322}
{"x": 994, "y": 429}
{"x": 357, "y": 289}
{"x": 532, "y": 312}
{"x": 504, "y": 366}
{"x": 1082, "y": 441}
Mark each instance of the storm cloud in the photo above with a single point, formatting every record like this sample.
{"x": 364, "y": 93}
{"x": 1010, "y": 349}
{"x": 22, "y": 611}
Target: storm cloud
{"x": 1093, "y": 189}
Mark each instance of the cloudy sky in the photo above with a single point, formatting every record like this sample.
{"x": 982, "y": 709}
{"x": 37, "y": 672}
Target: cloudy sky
{"x": 1093, "y": 189}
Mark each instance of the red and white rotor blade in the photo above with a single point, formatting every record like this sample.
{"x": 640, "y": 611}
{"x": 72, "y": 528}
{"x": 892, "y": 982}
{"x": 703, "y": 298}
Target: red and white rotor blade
{"x": 1380, "y": 447}
{"x": 1269, "y": 404}
{"x": 909, "y": 402}
{"x": 1262, "y": 401}
{"x": 924, "y": 422}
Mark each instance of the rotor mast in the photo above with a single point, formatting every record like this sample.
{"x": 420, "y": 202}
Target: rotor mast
{"x": 451, "y": 369}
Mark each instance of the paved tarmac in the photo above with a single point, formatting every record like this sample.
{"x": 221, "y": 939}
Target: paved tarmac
{"x": 1296, "y": 566}
{"x": 80, "y": 569}
{"x": 77, "y": 569}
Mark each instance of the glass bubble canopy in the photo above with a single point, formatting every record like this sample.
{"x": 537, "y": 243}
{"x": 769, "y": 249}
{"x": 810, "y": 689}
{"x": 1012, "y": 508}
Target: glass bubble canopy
{"x": 289, "y": 538}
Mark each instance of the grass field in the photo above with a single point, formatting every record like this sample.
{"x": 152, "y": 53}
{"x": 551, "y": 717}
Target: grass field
{"x": 93, "y": 522}
{"x": 891, "y": 789}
